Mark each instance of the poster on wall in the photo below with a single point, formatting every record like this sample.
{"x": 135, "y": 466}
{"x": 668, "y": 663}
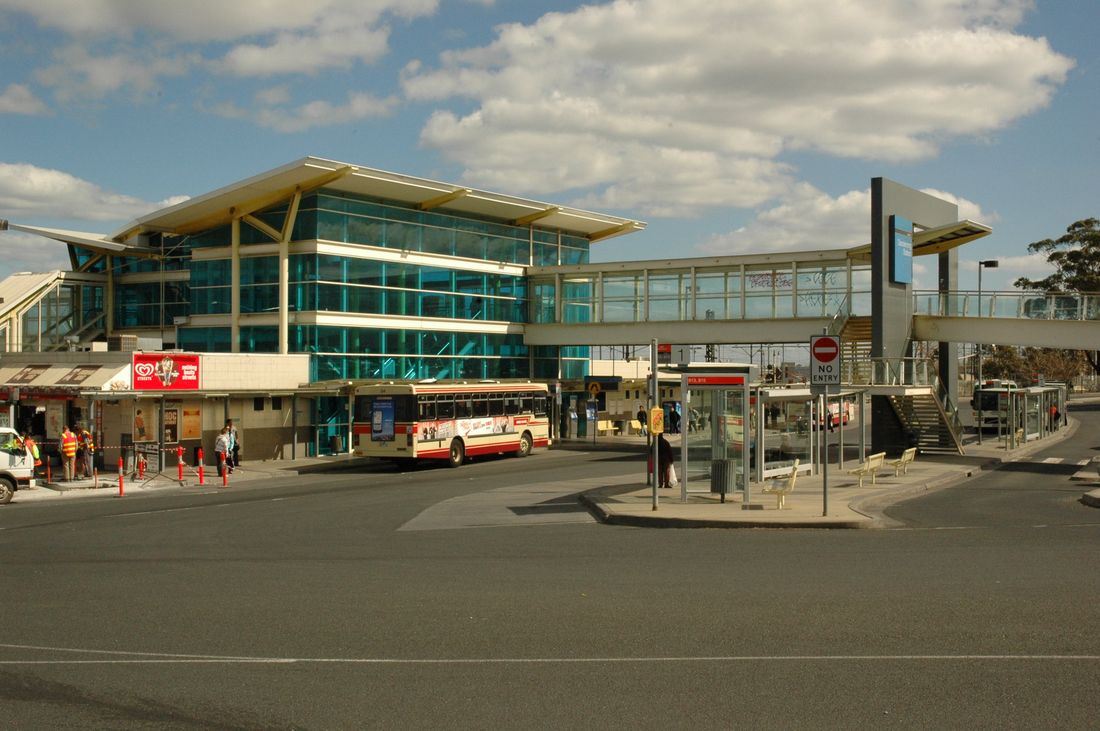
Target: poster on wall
{"x": 192, "y": 423}
{"x": 171, "y": 426}
{"x": 165, "y": 372}
{"x": 145, "y": 424}
{"x": 55, "y": 419}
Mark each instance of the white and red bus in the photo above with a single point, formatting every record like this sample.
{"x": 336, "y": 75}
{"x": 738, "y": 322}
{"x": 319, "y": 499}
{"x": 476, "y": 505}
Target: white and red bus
{"x": 449, "y": 420}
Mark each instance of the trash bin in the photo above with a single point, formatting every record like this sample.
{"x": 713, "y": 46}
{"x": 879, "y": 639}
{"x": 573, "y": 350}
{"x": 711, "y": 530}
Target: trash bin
{"x": 723, "y": 475}
{"x": 336, "y": 444}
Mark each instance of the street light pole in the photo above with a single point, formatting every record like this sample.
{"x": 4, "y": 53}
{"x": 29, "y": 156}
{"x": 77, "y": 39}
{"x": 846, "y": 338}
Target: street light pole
{"x": 992, "y": 264}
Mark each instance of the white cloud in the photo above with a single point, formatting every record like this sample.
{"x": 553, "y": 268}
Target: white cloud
{"x": 19, "y": 99}
{"x": 27, "y": 192}
{"x": 808, "y": 218}
{"x": 78, "y": 74}
{"x": 319, "y": 113}
{"x": 692, "y": 104}
{"x": 26, "y": 253}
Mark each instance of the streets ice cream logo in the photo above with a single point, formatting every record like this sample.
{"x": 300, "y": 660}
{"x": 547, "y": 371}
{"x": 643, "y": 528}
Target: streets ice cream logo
{"x": 165, "y": 373}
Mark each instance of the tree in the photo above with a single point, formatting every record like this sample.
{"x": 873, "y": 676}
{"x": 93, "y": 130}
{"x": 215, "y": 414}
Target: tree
{"x": 1076, "y": 260}
{"x": 1075, "y": 257}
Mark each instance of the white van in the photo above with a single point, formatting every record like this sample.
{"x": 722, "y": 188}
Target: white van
{"x": 16, "y": 466}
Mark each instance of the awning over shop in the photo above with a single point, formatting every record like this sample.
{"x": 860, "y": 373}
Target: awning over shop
{"x": 68, "y": 378}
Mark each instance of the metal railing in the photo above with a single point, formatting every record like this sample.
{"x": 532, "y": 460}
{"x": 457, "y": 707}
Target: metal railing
{"x": 1018, "y": 305}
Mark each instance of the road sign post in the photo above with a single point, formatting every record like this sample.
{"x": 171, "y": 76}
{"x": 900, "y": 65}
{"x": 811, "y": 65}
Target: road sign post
{"x": 825, "y": 369}
{"x": 825, "y": 360}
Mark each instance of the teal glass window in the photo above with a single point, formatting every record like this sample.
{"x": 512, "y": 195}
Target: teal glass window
{"x": 209, "y": 339}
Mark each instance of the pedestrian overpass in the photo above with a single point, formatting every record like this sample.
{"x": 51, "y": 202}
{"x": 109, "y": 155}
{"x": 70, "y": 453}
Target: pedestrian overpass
{"x": 785, "y": 298}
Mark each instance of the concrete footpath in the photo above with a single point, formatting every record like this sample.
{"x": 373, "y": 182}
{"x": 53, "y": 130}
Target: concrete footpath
{"x": 849, "y": 505}
{"x": 250, "y": 473}
{"x": 628, "y": 500}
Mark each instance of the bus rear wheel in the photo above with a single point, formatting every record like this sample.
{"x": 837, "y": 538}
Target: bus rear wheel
{"x": 457, "y": 454}
{"x": 524, "y": 445}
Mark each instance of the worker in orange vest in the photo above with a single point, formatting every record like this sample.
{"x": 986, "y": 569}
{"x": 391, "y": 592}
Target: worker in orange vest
{"x": 32, "y": 450}
{"x": 68, "y": 453}
{"x": 85, "y": 452}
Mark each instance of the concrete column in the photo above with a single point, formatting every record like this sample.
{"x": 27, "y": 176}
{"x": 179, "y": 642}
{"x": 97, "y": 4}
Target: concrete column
{"x": 235, "y": 287}
{"x": 284, "y": 296}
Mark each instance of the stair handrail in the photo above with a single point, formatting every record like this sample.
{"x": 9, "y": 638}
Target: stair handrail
{"x": 840, "y": 317}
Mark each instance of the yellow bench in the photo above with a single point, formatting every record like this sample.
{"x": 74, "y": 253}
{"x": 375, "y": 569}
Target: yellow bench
{"x": 901, "y": 464}
{"x": 605, "y": 427}
{"x": 782, "y": 486}
{"x": 635, "y": 426}
{"x": 870, "y": 467}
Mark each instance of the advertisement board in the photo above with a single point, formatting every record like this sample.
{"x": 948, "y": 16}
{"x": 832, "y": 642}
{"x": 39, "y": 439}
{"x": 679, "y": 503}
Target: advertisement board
{"x": 166, "y": 372}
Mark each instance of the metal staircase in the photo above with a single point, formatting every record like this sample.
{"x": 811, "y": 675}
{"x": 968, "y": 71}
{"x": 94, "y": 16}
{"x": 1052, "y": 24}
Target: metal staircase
{"x": 935, "y": 427}
{"x": 855, "y": 342}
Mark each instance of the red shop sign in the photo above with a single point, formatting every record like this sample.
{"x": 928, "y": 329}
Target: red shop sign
{"x": 166, "y": 372}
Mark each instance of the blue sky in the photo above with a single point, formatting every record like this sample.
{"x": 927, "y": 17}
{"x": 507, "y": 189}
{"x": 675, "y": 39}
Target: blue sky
{"x": 728, "y": 127}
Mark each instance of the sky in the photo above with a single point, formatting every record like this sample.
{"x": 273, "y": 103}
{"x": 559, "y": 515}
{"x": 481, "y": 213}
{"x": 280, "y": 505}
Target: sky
{"x": 728, "y": 127}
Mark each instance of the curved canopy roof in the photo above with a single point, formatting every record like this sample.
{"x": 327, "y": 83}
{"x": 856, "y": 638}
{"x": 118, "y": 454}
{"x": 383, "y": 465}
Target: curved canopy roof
{"x": 253, "y": 194}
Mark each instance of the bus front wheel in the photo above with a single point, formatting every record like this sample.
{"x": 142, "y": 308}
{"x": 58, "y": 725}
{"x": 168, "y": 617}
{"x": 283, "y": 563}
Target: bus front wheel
{"x": 457, "y": 454}
{"x": 524, "y": 445}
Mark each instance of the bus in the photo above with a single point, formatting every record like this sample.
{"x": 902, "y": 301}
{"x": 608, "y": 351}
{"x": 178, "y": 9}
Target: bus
{"x": 452, "y": 421}
{"x": 989, "y": 400}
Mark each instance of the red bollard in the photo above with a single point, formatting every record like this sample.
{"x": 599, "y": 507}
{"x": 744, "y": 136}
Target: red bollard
{"x": 49, "y": 473}
{"x": 225, "y": 469}
{"x": 201, "y": 480}
{"x": 179, "y": 462}
{"x": 120, "y": 471}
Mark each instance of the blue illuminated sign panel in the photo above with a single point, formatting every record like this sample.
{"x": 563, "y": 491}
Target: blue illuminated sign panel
{"x": 901, "y": 250}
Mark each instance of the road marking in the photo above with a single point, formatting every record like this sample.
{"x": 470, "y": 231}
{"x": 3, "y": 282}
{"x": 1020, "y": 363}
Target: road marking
{"x": 1083, "y": 462}
{"x": 1054, "y": 460}
{"x": 124, "y": 658}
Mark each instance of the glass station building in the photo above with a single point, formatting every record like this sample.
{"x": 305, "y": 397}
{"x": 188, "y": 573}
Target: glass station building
{"x": 375, "y": 275}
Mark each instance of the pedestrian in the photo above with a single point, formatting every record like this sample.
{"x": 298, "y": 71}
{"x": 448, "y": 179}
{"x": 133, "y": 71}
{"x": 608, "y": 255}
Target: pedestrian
{"x": 643, "y": 423}
{"x": 234, "y": 456}
{"x": 664, "y": 461}
{"x": 1054, "y": 417}
{"x": 221, "y": 449}
{"x": 85, "y": 452}
{"x": 68, "y": 453}
{"x": 32, "y": 449}
{"x": 673, "y": 420}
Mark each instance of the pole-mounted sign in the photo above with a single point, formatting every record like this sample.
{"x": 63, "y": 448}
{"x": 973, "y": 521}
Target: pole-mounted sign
{"x": 825, "y": 360}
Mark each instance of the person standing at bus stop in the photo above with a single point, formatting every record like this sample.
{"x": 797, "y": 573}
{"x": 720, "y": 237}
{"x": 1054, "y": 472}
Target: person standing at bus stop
{"x": 643, "y": 421}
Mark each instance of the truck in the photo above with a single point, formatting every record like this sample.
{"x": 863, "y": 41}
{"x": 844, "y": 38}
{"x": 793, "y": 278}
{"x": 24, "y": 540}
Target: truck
{"x": 16, "y": 466}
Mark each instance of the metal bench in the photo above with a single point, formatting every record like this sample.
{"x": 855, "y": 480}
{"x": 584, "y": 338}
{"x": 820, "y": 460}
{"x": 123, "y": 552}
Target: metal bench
{"x": 870, "y": 467}
{"x": 782, "y": 486}
{"x": 635, "y": 427}
{"x": 901, "y": 464}
{"x": 606, "y": 426}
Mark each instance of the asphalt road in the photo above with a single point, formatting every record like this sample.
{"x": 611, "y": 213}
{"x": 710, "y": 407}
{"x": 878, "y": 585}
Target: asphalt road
{"x": 375, "y": 599}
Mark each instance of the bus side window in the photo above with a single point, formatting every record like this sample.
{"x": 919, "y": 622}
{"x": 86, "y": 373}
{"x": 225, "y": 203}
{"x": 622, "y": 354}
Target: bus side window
{"x": 362, "y": 408}
{"x": 445, "y": 406}
{"x": 528, "y": 403}
{"x": 540, "y": 405}
{"x": 481, "y": 405}
{"x": 463, "y": 406}
{"x": 511, "y": 404}
{"x": 427, "y": 408}
{"x": 496, "y": 404}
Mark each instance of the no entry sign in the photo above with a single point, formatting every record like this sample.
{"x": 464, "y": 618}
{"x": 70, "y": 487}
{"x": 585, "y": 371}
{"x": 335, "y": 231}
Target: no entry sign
{"x": 824, "y": 360}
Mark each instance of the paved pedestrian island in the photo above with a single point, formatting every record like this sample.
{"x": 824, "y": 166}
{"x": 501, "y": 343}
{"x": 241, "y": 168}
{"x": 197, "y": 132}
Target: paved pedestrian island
{"x": 849, "y": 504}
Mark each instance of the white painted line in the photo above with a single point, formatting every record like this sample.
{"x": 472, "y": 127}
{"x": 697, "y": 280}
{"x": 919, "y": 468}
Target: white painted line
{"x": 1054, "y": 460}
